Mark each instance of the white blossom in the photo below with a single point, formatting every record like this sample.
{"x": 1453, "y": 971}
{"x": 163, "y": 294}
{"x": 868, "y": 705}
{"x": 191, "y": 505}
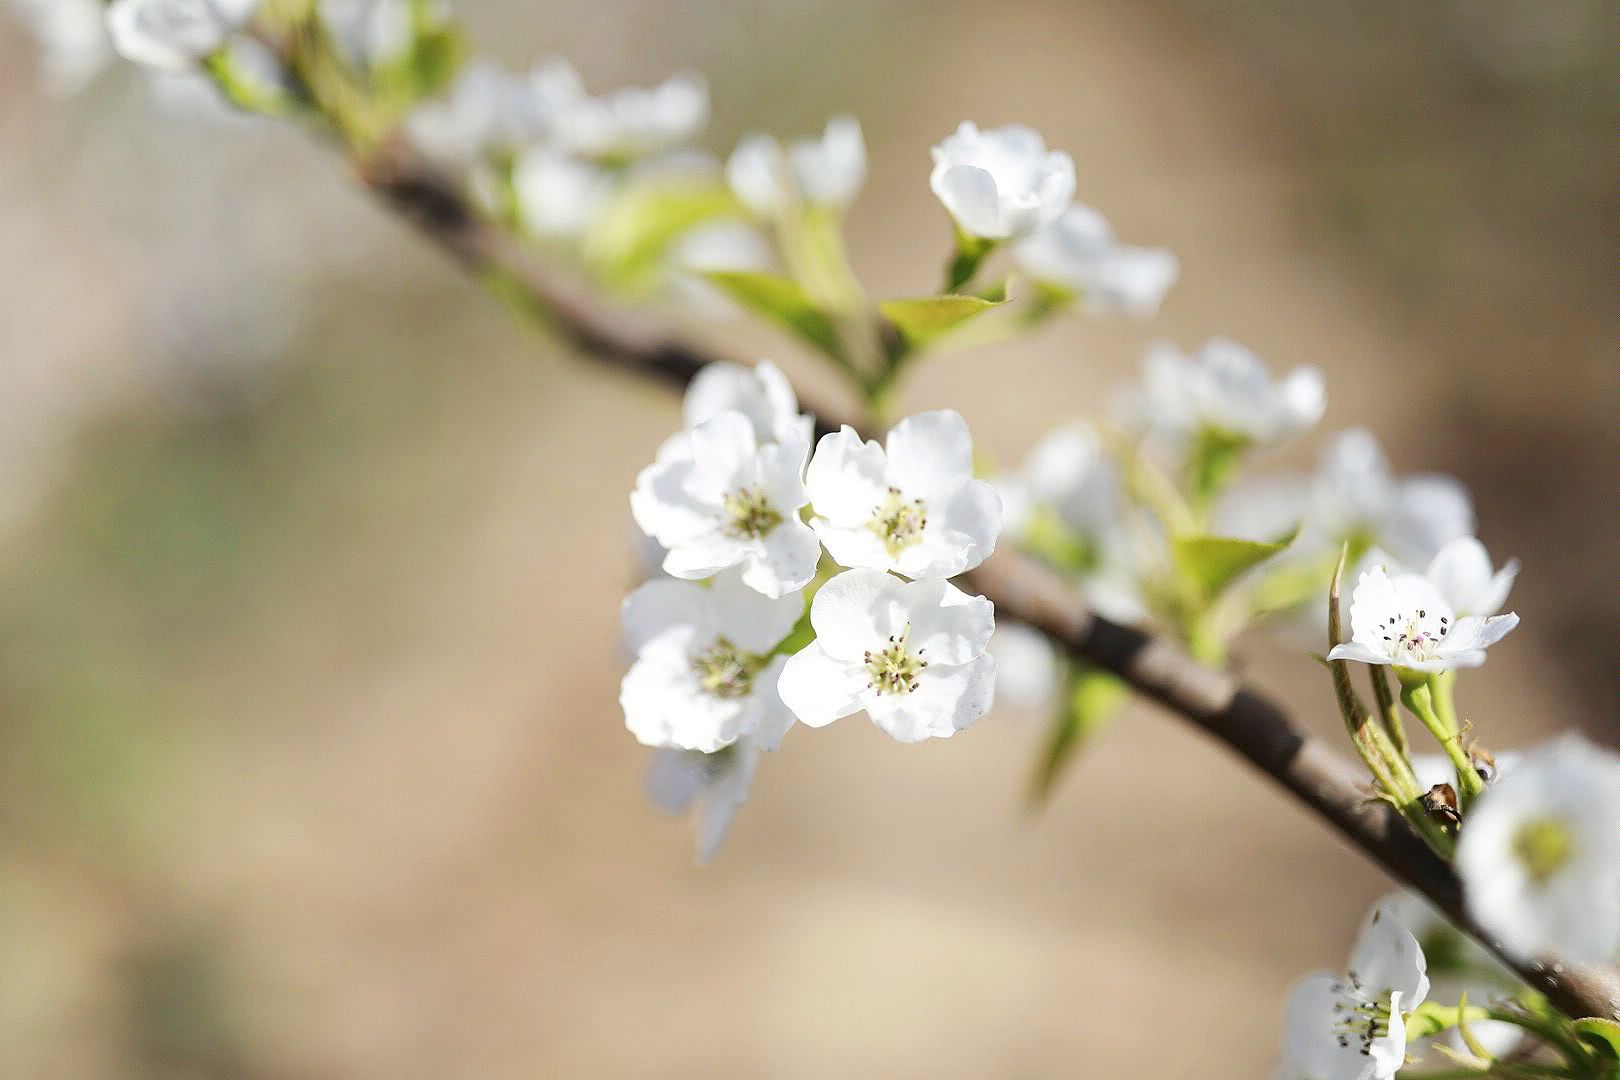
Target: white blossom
{"x": 491, "y": 110}
{"x": 1078, "y": 252}
{"x": 1539, "y": 853}
{"x": 910, "y": 505}
{"x": 761, "y": 393}
{"x": 635, "y": 121}
{"x": 558, "y": 195}
{"x": 1461, "y": 572}
{"x": 1225, "y": 389}
{"x": 1406, "y": 622}
{"x": 1355, "y": 496}
{"x": 720, "y": 244}
{"x": 372, "y": 32}
{"x": 1029, "y": 671}
{"x": 1352, "y": 1026}
{"x": 1003, "y": 183}
{"x": 704, "y": 673}
{"x": 717, "y": 784}
{"x": 173, "y": 35}
{"x": 72, "y": 39}
{"x": 912, "y": 654}
{"x": 716, "y": 499}
{"x": 826, "y": 171}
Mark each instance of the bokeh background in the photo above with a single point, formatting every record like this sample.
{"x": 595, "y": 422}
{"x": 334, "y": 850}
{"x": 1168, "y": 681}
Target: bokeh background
{"x": 310, "y": 760}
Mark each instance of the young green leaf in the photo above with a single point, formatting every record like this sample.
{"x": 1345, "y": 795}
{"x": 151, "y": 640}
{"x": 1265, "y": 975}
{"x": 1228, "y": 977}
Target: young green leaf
{"x": 1212, "y": 563}
{"x": 1603, "y": 1036}
{"x": 921, "y": 321}
{"x": 1090, "y": 697}
{"x": 782, "y": 301}
{"x": 627, "y": 243}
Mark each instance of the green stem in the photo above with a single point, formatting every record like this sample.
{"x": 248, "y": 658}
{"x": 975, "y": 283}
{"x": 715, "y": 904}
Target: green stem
{"x": 971, "y": 251}
{"x": 1386, "y": 708}
{"x": 1418, "y": 698}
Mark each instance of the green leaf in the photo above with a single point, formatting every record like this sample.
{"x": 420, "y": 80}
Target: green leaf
{"x": 1432, "y": 1017}
{"x": 627, "y": 243}
{"x": 782, "y": 301}
{"x": 1090, "y": 697}
{"x": 1602, "y": 1035}
{"x": 921, "y": 321}
{"x": 1048, "y": 536}
{"x": 1211, "y": 563}
{"x": 427, "y": 66}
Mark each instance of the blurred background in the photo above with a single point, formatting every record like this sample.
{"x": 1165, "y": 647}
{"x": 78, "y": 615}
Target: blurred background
{"x": 310, "y": 759}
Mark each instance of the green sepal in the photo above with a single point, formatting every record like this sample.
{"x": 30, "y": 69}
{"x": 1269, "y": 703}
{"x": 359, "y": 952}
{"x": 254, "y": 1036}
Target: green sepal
{"x": 1431, "y": 1018}
{"x": 1211, "y": 563}
{"x": 782, "y": 301}
{"x": 1090, "y": 696}
{"x": 1603, "y": 1036}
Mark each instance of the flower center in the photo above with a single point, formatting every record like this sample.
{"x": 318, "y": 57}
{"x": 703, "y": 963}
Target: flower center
{"x": 897, "y": 522}
{"x": 894, "y": 669}
{"x": 725, "y": 670}
{"x": 750, "y": 514}
{"x": 1411, "y": 636}
{"x": 1363, "y": 1019}
{"x": 1542, "y": 846}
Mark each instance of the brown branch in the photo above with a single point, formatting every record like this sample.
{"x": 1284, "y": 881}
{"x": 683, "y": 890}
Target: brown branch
{"x": 1245, "y": 721}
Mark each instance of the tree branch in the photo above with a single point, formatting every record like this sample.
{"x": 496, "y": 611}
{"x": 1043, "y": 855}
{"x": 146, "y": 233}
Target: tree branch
{"x": 1242, "y": 719}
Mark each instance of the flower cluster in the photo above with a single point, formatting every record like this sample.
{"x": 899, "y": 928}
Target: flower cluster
{"x": 726, "y": 655}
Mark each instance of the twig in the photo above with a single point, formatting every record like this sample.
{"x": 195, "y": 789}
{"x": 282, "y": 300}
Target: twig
{"x": 1245, "y": 721}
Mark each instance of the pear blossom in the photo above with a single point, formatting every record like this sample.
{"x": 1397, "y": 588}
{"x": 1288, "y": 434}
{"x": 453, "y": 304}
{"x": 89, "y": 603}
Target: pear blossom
{"x": 761, "y": 393}
{"x": 704, "y": 674}
{"x": 490, "y": 110}
{"x": 1078, "y": 252}
{"x": 826, "y": 171}
{"x": 716, "y": 499}
{"x": 1406, "y": 622}
{"x": 373, "y": 32}
{"x": 558, "y": 195}
{"x": 1539, "y": 853}
{"x": 1352, "y": 1026}
{"x": 1457, "y": 964}
{"x": 1355, "y": 496}
{"x": 635, "y": 121}
{"x": 1003, "y": 183}
{"x": 1029, "y": 671}
{"x": 910, "y": 505}
{"x": 1226, "y": 390}
{"x": 1461, "y": 572}
{"x": 174, "y": 35}
{"x": 72, "y": 39}
{"x": 910, "y": 653}
{"x": 723, "y": 244}
{"x": 717, "y": 784}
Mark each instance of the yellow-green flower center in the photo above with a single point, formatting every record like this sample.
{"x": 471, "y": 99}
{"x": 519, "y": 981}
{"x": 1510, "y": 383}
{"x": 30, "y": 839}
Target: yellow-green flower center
{"x": 894, "y": 668}
{"x": 898, "y": 522}
{"x": 725, "y": 670}
{"x": 750, "y": 514}
{"x": 1542, "y": 846}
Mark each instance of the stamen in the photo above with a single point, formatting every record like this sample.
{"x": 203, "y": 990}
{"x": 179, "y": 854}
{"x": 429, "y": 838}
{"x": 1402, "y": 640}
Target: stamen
{"x": 894, "y": 670}
{"x": 897, "y": 522}
{"x": 751, "y": 515}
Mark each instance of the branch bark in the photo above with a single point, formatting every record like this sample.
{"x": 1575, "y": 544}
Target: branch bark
{"x": 1243, "y": 720}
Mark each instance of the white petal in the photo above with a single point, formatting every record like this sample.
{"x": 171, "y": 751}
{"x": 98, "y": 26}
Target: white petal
{"x": 775, "y": 717}
{"x": 786, "y": 560}
{"x": 1474, "y": 633}
{"x": 854, "y": 546}
{"x": 659, "y": 606}
{"x": 753, "y": 620}
{"x": 853, "y": 613}
{"x": 947, "y": 699}
{"x": 699, "y": 557}
{"x": 975, "y": 515}
{"x": 757, "y": 174}
{"x": 845, "y": 478}
{"x": 930, "y": 455}
{"x": 819, "y": 689}
{"x": 947, "y": 625}
{"x": 663, "y": 706}
{"x": 675, "y": 779}
{"x": 728, "y": 790}
{"x": 1387, "y": 956}
{"x": 723, "y": 456}
{"x": 969, "y": 193}
{"x": 661, "y": 504}
{"x": 1358, "y": 653}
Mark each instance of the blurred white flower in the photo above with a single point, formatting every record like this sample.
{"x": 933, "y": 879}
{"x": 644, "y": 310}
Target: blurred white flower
{"x": 717, "y": 499}
{"x": 490, "y": 110}
{"x": 704, "y": 675}
{"x": 1461, "y": 572}
{"x": 1539, "y": 853}
{"x": 558, "y": 195}
{"x": 635, "y": 121}
{"x": 825, "y": 171}
{"x": 1457, "y": 964}
{"x": 1406, "y": 622}
{"x": 72, "y": 39}
{"x": 761, "y": 393}
{"x": 173, "y": 35}
{"x": 1353, "y": 495}
{"x": 1029, "y": 672}
{"x": 725, "y": 244}
{"x": 1353, "y": 1026}
{"x": 1078, "y": 252}
{"x": 912, "y": 654}
{"x": 372, "y": 32}
{"x": 716, "y": 783}
{"x": 911, "y": 505}
{"x": 1003, "y": 183}
{"x": 1225, "y": 389}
